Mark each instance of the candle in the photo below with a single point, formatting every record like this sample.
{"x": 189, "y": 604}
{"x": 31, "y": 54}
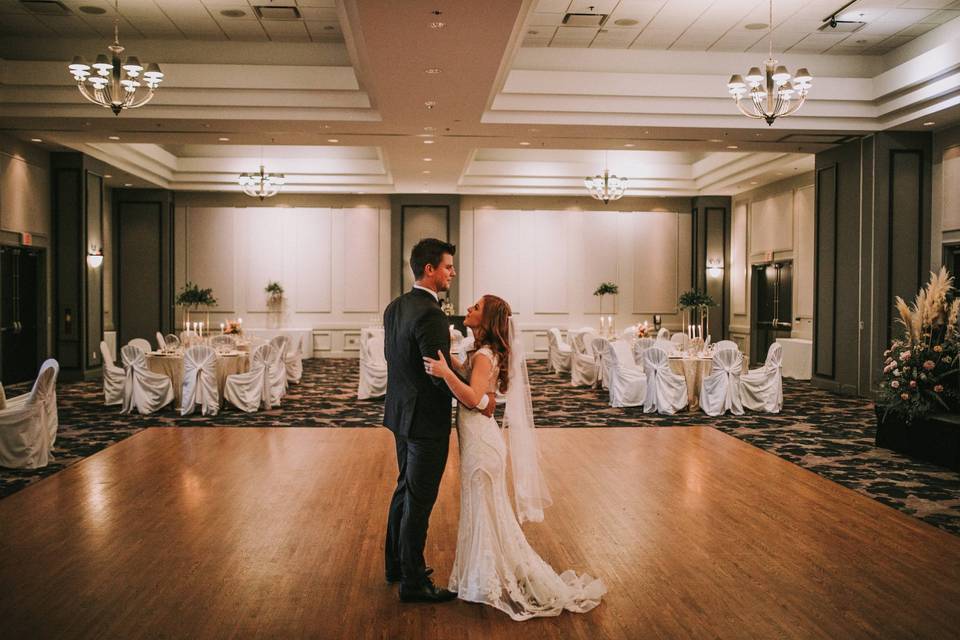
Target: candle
{"x": 221, "y": 328}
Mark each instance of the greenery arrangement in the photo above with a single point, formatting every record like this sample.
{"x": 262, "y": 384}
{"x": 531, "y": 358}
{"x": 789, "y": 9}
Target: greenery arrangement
{"x": 193, "y": 296}
{"x": 696, "y": 299}
{"x": 274, "y": 288}
{"x": 920, "y": 367}
{"x": 606, "y": 288}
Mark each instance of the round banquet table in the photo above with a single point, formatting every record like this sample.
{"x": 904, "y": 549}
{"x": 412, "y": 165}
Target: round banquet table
{"x": 694, "y": 370}
{"x": 171, "y": 365}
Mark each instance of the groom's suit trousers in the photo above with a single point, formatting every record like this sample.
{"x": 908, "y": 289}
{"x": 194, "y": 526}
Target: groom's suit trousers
{"x": 421, "y": 462}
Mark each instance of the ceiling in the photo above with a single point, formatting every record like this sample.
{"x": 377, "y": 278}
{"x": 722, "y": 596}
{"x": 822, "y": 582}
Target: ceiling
{"x": 388, "y": 103}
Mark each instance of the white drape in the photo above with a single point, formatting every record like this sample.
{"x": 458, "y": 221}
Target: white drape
{"x": 143, "y": 389}
{"x": 762, "y": 389}
{"x": 720, "y": 391}
{"x": 200, "y": 381}
{"x": 627, "y": 383}
{"x": 666, "y": 390}
{"x": 247, "y": 391}
{"x": 142, "y": 344}
{"x": 113, "y": 377}
{"x": 28, "y": 424}
{"x": 639, "y": 347}
{"x": 726, "y": 344}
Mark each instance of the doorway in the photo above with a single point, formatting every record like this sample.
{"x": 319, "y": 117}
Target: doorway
{"x": 21, "y": 310}
{"x": 771, "y": 306}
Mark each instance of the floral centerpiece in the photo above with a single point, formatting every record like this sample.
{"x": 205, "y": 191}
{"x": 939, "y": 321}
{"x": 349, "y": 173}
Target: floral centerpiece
{"x": 233, "y": 327}
{"x": 920, "y": 367}
{"x": 274, "y": 293}
{"x": 644, "y": 330}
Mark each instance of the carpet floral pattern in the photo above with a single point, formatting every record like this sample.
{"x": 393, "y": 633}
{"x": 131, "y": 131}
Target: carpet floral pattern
{"x": 830, "y": 435}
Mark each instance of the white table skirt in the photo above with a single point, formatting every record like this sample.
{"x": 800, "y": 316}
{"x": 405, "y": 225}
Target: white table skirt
{"x": 297, "y": 335}
{"x": 797, "y": 358}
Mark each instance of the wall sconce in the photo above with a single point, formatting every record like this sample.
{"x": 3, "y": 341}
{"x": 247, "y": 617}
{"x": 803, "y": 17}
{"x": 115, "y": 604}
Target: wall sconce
{"x": 715, "y": 268}
{"x": 95, "y": 258}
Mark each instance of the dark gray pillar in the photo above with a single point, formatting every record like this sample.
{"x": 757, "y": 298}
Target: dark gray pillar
{"x": 711, "y": 257}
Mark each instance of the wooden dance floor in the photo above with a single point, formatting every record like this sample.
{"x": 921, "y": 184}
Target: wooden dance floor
{"x": 277, "y": 533}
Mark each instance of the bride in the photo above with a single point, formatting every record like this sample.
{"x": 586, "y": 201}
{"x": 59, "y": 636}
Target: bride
{"x": 494, "y": 563}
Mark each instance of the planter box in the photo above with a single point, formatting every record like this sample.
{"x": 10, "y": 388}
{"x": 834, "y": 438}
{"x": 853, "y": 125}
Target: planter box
{"x": 934, "y": 439}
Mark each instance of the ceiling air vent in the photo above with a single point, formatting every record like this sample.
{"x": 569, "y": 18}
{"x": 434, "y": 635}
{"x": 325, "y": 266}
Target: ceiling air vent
{"x": 585, "y": 19}
{"x": 46, "y": 7}
{"x": 274, "y": 12}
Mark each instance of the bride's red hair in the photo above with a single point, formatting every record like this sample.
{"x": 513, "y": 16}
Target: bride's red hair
{"x": 494, "y": 332}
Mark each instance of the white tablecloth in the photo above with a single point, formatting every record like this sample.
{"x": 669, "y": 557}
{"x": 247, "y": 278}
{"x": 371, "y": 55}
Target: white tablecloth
{"x": 301, "y": 336}
{"x": 797, "y": 358}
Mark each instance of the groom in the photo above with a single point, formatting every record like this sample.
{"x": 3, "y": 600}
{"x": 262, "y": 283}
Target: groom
{"x": 417, "y": 411}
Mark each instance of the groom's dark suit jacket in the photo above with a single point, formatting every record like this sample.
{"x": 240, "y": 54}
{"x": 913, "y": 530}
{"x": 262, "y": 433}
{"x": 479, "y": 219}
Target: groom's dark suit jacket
{"x": 417, "y": 405}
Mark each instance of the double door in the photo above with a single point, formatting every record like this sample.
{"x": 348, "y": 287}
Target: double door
{"x": 772, "y": 306}
{"x": 21, "y": 304}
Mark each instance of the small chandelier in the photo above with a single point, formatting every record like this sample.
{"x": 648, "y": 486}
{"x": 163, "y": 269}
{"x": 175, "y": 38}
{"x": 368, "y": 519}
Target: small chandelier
{"x": 117, "y": 83}
{"x": 261, "y": 185}
{"x": 605, "y": 187}
{"x": 771, "y": 93}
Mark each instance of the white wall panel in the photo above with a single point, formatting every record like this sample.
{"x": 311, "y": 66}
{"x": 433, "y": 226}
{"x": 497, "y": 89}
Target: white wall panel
{"x": 656, "y": 237}
{"x": 551, "y": 277}
{"x": 951, "y": 190}
{"x": 738, "y": 260}
{"x": 599, "y": 231}
{"x": 361, "y": 260}
{"x": 263, "y": 232}
{"x": 210, "y": 253}
{"x": 502, "y": 257}
{"x": 803, "y": 257}
{"x": 313, "y": 268}
{"x": 771, "y": 224}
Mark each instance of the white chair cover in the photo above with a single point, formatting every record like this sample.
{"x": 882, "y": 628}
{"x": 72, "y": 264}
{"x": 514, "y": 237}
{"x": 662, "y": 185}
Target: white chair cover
{"x": 720, "y": 391}
{"x": 666, "y": 390}
{"x": 667, "y": 345}
{"x": 641, "y": 345}
{"x": 599, "y": 346}
{"x": 277, "y": 369}
{"x": 200, "y": 381}
{"x": 373, "y": 369}
{"x": 762, "y": 389}
{"x": 584, "y": 369}
{"x": 293, "y": 363}
{"x": 725, "y": 344}
{"x": 28, "y": 424}
{"x": 113, "y": 377}
{"x": 247, "y": 391}
{"x": 663, "y": 334}
{"x": 161, "y": 341}
{"x": 142, "y": 344}
{"x": 630, "y": 333}
{"x": 559, "y": 354}
{"x": 223, "y": 340}
{"x": 627, "y": 383}
{"x": 143, "y": 389}
{"x": 680, "y": 340}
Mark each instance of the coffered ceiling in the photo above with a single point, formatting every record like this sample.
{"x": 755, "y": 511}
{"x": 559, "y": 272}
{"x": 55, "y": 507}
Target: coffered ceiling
{"x": 455, "y": 97}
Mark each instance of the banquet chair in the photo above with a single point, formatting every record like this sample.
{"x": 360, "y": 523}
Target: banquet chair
{"x": 143, "y": 389}
{"x": 681, "y": 340}
{"x": 599, "y": 346}
{"x": 762, "y": 389}
{"x": 720, "y": 391}
{"x": 248, "y": 391}
{"x": 224, "y": 340}
{"x": 663, "y": 334}
{"x": 641, "y": 345}
{"x": 666, "y": 390}
{"x": 200, "y": 381}
{"x": 161, "y": 341}
{"x": 373, "y": 370}
{"x": 559, "y": 353}
{"x": 293, "y": 363}
{"x": 725, "y": 344}
{"x": 627, "y": 383}
{"x": 142, "y": 344}
{"x": 113, "y": 377}
{"x": 584, "y": 369}
{"x": 277, "y": 369}
{"x": 667, "y": 345}
{"x": 28, "y": 424}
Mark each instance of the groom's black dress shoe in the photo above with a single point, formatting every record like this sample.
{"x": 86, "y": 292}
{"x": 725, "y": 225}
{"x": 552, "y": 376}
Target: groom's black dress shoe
{"x": 395, "y": 577}
{"x": 425, "y": 592}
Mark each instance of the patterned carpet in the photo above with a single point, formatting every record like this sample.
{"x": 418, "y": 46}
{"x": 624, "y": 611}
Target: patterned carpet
{"x": 829, "y": 435}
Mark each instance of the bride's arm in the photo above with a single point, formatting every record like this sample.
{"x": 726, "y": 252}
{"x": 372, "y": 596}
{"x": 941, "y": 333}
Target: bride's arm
{"x": 468, "y": 394}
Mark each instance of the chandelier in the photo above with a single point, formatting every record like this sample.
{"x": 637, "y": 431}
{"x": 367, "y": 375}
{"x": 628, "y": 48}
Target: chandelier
{"x": 117, "y": 83}
{"x": 771, "y": 93}
{"x": 605, "y": 187}
{"x": 261, "y": 185}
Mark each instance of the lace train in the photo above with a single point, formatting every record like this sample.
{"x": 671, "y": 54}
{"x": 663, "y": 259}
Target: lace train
{"x": 495, "y": 564}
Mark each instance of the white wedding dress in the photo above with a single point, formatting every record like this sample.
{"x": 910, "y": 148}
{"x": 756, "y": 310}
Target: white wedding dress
{"x": 495, "y": 564}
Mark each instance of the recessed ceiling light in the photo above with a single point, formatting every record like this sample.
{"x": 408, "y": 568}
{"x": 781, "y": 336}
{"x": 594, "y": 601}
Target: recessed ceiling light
{"x": 432, "y": 71}
{"x": 428, "y": 128}
{"x": 756, "y": 26}
{"x": 128, "y": 184}
{"x": 629, "y": 144}
{"x": 224, "y": 139}
{"x": 436, "y": 24}
{"x": 430, "y": 104}
{"x": 113, "y": 137}
{"x": 333, "y": 140}
{"x": 754, "y": 182}
{"x": 714, "y": 140}
{"x": 233, "y": 13}
{"x": 779, "y": 173}
{"x": 626, "y": 22}
{"x": 36, "y": 140}
{"x": 428, "y": 159}
{"x": 428, "y": 141}
{"x": 93, "y": 11}
{"x": 524, "y": 144}
{"x": 426, "y": 170}
{"x": 732, "y": 146}
{"x": 533, "y": 130}
{"x": 929, "y": 123}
